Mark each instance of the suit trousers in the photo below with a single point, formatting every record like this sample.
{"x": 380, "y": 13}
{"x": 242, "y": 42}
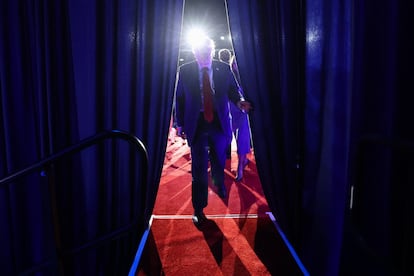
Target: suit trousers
{"x": 209, "y": 144}
{"x": 241, "y": 129}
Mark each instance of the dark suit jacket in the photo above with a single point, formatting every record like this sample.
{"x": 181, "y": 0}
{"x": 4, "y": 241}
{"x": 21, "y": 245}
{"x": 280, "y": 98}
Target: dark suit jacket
{"x": 188, "y": 97}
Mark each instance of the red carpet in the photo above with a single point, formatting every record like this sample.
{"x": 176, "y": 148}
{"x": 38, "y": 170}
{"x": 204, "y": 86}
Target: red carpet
{"x": 238, "y": 239}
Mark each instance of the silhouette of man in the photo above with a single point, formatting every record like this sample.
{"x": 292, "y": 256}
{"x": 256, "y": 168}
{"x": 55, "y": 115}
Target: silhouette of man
{"x": 208, "y": 135}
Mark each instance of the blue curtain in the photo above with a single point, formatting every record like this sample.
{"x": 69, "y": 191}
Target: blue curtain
{"x": 327, "y": 127}
{"x": 68, "y": 70}
{"x": 331, "y": 86}
{"x": 325, "y": 77}
{"x": 267, "y": 40}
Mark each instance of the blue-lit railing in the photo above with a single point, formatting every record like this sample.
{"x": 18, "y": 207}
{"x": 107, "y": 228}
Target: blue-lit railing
{"x": 86, "y": 143}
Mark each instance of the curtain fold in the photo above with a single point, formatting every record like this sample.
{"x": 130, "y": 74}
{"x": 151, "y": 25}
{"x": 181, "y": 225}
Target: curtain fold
{"x": 323, "y": 76}
{"x": 266, "y": 39}
{"x": 68, "y": 70}
{"x": 381, "y": 134}
{"x": 328, "y": 110}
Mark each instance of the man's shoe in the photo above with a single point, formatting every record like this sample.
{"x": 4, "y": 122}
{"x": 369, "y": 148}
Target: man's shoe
{"x": 199, "y": 218}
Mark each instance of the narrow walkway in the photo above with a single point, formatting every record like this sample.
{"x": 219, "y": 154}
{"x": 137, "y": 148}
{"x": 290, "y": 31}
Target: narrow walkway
{"x": 239, "y": 238}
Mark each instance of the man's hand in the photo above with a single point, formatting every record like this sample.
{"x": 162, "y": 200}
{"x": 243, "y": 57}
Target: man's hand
{"x": 244, "y": 105}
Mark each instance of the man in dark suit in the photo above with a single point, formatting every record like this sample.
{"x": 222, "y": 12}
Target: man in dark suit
{"x": 205, "y": 122}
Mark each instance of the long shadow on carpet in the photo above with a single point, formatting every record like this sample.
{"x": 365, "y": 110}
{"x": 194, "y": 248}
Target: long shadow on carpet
{"x": 238, "y": 239}
{"x": 223, "y": 246}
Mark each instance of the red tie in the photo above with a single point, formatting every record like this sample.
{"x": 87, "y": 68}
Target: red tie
{"x": 208, "y": 97}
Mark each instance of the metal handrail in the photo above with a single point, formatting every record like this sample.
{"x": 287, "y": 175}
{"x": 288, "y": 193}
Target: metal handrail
{"x": 78, "y": 147}
{"x": 83, "y": 144}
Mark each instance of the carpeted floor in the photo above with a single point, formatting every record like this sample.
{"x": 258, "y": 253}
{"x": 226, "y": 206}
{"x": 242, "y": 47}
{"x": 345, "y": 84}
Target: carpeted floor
{"x": 238, "y": 239}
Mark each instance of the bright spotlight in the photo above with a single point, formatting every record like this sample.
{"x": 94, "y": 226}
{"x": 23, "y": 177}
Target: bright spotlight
{"x": 195, "y": 36}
